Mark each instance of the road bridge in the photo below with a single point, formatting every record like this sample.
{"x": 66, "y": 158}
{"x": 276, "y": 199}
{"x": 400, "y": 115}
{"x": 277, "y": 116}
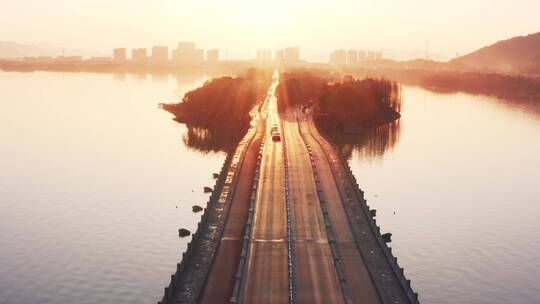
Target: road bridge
{"x": 287, "y": 223}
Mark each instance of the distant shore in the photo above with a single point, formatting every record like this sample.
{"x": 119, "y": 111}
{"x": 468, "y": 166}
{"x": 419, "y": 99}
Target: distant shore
{"x": 432, "y": 75}
{"x": 230, "y": 66}
{"x": 512, "y": 87}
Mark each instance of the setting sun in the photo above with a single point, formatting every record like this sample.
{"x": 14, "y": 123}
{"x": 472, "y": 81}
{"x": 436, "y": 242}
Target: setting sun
{"x": 261, "y": 17}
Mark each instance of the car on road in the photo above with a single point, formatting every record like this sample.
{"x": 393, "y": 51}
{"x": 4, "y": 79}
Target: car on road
{"x": 276, "y": 136}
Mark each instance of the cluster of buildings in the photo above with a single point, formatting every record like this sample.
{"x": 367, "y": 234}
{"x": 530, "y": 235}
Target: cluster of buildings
{"x": 185, "y": 53}
{"x": 353, "y": 57}
{"x": 286, "y": 55}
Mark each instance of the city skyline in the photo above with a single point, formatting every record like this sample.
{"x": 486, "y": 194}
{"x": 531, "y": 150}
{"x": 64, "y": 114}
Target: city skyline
{"x": 187, "y": 52}
{"x": 304, "y": 151}
{"x": 189, "y": 49}
{"x": 317, "y": 26}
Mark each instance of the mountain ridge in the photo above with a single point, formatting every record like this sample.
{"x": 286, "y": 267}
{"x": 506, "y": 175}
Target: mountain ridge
{"x": 519, "y": 54}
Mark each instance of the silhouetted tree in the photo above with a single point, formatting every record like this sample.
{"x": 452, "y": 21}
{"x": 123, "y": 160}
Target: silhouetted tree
{"x": 222, "y": 102}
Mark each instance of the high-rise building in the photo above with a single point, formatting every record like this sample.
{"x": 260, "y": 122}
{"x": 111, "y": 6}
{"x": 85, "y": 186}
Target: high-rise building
{"x": 268, "y": 55}
{"x": 338, "y": 57}
{"x": 198, "y": 55}
{"x": 119, "y": 54}
{"x": 361, "y": 56}
{"x": 371, "y": 56}
{"x": 186, "y": 46}
{"x": 352, "y": 57}
{"x": 279, "y": 56}
{"x": 291, "y": 54}
{"x": 212, "y": 55}
{"x": 264, "y": 55}
{"x": 378, "y": 55}
{"x": 160, "y": 54}
{"x": 186, "y": 53}
{"x": 139, "y": 55}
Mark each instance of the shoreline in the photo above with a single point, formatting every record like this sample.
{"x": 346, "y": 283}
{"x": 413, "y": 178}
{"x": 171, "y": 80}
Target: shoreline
{"x": 191, "y": 273}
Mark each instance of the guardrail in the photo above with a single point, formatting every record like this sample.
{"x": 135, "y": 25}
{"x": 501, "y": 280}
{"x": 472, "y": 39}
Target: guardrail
{"x": 246, "y": 242}
{"x": 336, "y": 254}
{"x": 290, "y": 247}
{"x": 387, "y": 251}
{"x": 218, "y": 202}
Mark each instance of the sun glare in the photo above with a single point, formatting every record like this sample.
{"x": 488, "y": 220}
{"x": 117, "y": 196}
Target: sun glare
{"x": 261, "y": 16}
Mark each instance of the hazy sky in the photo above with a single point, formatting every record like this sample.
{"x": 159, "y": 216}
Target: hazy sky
{"x": 239, "y": 27}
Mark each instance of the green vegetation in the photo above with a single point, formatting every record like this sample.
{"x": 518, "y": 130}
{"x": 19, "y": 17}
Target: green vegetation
{"x": 218, "y": 113}
{"x": 223, "y": 102}
{"x": 300, "y": 87}
{"x": 509, "y": 87}
{"x": 354, "y": 105}
{"x": 346, "y": 105}
{"x": 512, "y": 87}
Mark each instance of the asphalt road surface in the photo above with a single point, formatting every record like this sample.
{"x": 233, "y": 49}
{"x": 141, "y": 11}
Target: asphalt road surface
{"x": 327, "y": 262}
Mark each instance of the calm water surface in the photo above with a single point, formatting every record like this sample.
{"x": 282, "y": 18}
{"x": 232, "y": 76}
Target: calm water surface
{"x": 95, "y": 183}
{"x": 96, "y": 180}
{"x": 463, "y": 178}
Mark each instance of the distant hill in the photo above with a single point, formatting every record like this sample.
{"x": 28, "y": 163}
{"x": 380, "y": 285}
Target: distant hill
{"x": 16, "y": 50}
{"x": 518, "y": 55}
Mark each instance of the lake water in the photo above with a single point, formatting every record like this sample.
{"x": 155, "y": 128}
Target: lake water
{"x": 96, "y": 180}
{"x": 462, "y": 175}
{"x": 95, "y": 183}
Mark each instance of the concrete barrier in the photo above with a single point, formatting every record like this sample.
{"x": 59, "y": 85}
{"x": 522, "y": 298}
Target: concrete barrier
{"x": 246, "y": 244}
{"x": 336, "y": 254}
{"x": 387, "y": 251}
{"x": 221, "y": 195}
{"x": 290, "y": 247}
